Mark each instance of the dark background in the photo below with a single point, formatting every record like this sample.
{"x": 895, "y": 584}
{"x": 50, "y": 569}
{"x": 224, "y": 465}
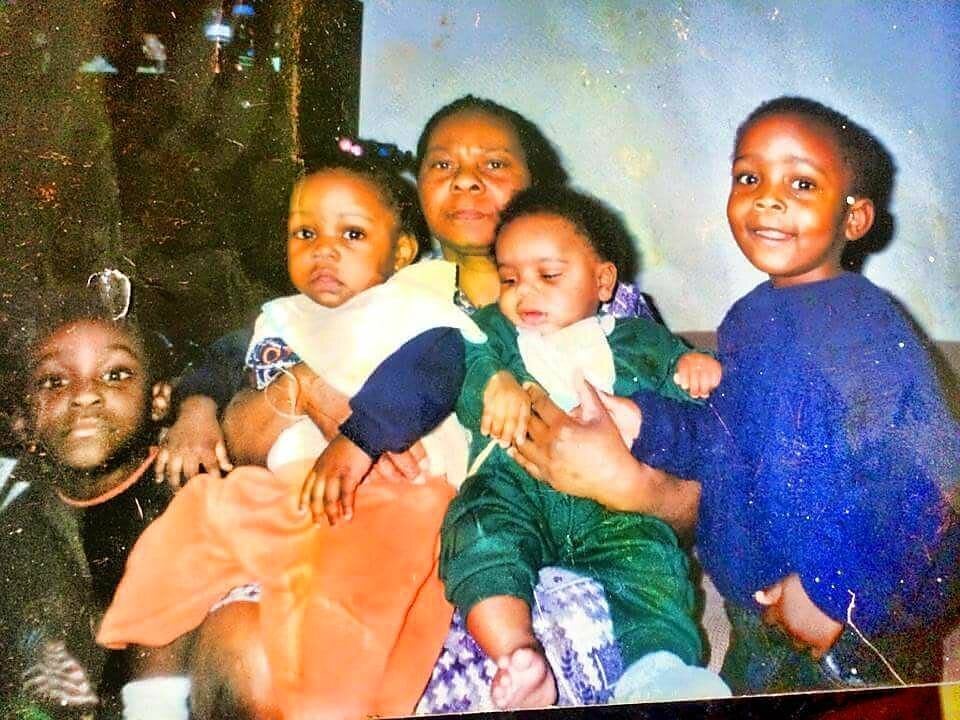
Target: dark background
{"x": 181, "y": 179}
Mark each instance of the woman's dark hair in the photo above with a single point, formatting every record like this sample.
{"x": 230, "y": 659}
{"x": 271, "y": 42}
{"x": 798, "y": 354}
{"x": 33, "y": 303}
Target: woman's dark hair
{"x": 396, "y": 191}
{"x": 543, "y": 160}
{"x": 596, "y": 221}
{"x": 871, "y": 166}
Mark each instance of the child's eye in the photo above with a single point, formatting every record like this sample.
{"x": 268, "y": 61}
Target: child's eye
{"x": 354, "y": 234}
{"x": 116, "y": 375}
{"x": 496, "y": 164}
{"x": 508, "y": 281}
{"x": 802, "y": 184}
{"x": 441, "y": 164}
{"x": 304, "y": 234}
{"x": 745, "y": 178}
{"x": 51, "y": 382}
{"x": 550, "y": 276}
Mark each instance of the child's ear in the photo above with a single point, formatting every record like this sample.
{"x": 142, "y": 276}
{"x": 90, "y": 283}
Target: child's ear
{"x": 859, "y": 219}
{"x": 404, "y": 251}
{"x": 606, "y": 280}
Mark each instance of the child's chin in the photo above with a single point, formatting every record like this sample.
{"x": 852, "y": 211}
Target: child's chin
{"x": 84, "y": 458}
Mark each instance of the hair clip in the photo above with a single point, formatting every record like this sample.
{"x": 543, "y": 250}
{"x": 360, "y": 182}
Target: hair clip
{"x": 381, "y": 152}
{"x": 114, "y": 290}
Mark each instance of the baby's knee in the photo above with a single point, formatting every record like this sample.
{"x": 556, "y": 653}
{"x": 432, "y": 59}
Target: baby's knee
{"x": 231, "y": 675}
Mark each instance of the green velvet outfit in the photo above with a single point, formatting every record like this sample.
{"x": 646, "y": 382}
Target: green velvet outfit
{"x": 504, "y": 526}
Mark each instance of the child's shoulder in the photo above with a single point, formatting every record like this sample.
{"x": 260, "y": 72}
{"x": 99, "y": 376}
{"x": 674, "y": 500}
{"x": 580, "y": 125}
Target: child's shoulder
{"x": 848, "y": 306}
{"x": 635, "y": 327}
{"x": 490, "y": 318}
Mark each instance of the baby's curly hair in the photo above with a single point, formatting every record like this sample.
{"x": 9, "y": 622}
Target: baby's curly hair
{"x": 597, "y": 222}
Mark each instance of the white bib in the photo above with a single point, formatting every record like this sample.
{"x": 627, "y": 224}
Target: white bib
{"x": 554, "y": 359}
{"x": 344, "y": 345}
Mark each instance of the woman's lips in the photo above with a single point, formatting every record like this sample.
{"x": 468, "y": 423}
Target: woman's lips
{"x": 467, "y": 215}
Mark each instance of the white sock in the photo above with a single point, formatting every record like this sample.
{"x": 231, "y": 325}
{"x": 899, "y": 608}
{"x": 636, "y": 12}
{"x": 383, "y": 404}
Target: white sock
{"x": 663, "y": 676}
{"x": 157, "y": 698}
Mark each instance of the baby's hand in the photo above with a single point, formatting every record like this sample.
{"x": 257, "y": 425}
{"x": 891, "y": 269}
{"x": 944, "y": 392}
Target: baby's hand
{"x": 698, "y": 374}
{"x": 193, "y": 442}
{"x": 330, "y": 487}
{"x": 506, "y": 410}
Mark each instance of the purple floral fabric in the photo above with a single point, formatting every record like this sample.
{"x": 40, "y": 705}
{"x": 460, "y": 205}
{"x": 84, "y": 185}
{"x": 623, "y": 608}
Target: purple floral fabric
{"x": 572, "y": 621}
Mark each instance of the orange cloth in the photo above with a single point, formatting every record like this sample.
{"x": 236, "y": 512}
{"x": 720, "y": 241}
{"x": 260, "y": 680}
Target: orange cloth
{"x": 353, "y": 617}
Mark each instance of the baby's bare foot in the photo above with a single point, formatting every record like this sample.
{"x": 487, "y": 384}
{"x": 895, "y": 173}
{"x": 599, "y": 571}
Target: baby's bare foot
{"x": 524, "y": 680}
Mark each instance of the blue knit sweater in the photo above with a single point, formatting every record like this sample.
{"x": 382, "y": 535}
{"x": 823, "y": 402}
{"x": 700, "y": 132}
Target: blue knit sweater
{"x": 827, "y": 450}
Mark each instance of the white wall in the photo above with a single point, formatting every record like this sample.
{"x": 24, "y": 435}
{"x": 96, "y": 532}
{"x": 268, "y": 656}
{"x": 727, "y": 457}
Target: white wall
{"x": 642, "y": 99}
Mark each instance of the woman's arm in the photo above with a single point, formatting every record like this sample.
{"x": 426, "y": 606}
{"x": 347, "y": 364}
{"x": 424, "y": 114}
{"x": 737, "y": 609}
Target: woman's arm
{"x": 407, "y": 396}
{"x": 255, "y": 418}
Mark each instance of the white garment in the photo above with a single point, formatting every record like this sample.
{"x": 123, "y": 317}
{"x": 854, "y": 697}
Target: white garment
{"x": 554, "y": 359}
{"x": 344, "y": 345}
{"x": 8, "y": 495}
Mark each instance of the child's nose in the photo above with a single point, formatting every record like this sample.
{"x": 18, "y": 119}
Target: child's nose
{"x": 326, "y": 246}
{"x": 524, "y": 288}
{"x": 86, "y": 393}
{"x": 769, "y": 199}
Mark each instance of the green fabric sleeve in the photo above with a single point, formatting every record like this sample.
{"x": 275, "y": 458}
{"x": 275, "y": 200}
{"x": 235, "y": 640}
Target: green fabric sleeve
{"x": 484, "y": 360}
{"x": 645, "y": 356}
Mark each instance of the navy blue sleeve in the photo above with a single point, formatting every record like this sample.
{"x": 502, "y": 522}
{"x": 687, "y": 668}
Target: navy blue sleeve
{"x": 409, "y": 394}
{"x": 682, "y": 438}
{"x": 221, "y": 373}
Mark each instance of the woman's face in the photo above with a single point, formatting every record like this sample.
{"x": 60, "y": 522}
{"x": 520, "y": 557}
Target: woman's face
{"x": 473, "y": 166}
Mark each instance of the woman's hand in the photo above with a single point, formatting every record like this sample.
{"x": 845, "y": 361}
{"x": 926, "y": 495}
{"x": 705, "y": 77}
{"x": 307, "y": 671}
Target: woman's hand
{"x": 330, "y": 487}
{"x": 320, "y": 401}
{"x": 624, "y": 412}
{"x": 588, "y": 455}
{"x": 583, "y": 454}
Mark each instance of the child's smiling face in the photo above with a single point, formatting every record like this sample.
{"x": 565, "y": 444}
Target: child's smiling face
{"x": 342, "y": 237}
{"x": 787, "y": 207}
{"x": 88, "y": 393}
{"x": 550, "y": 275}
